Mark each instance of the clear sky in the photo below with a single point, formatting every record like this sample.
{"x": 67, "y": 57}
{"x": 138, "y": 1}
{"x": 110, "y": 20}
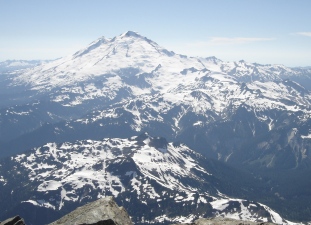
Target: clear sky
{"x": 262, "y": 31}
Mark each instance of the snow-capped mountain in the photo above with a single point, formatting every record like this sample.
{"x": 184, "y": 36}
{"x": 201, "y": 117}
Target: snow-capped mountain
{"x": 130, "y": 78}
{"x": 111, "y": 56}
{"x": 131, "y": 66}
{"x": 156, "y": 181}
{"x": 133, "y": 63}
{"x": 254, "y": 117}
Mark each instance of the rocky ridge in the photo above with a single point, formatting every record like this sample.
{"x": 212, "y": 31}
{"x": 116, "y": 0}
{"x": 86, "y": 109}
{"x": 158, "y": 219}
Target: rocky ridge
{"x": 103, "y": 211}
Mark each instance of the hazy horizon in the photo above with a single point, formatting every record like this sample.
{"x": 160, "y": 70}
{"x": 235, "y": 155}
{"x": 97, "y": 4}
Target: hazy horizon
{"x": 265, "y": 32}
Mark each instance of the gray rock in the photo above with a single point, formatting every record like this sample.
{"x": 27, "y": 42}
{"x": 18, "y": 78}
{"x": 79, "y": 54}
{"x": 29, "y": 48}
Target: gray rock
{"x": 17, "y": 220}
{"x": 103, "y": 222}
{"x": 224, "y": 221}
{"x": 104, "y": 211}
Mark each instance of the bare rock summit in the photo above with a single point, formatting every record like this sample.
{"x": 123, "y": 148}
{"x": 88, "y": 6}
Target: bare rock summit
{"x": 103, "y": 211}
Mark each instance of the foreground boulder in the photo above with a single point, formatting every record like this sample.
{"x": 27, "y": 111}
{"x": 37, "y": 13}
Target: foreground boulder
{"x": 104, "y": 211}
{"x": 223, "y": 221}
{"x": 102, "y": 222}
{"x": 17, "y": 220}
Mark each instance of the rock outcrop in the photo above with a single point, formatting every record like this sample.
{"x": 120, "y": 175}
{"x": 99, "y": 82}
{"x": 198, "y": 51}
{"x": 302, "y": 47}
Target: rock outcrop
{"x": 17, "y": 220}
{"x": 224, "y": 221}
{"x": 102, "y": 222}
{"x": 104, "y": 211}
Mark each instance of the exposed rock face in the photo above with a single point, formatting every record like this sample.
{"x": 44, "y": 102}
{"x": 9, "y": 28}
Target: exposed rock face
{"x": 223, "y": 221}
{"x": 17, "y": 220}
{"x": 103, "y": 222}
{"x": 101, "y": 212}
{"x": 105, "y": 211}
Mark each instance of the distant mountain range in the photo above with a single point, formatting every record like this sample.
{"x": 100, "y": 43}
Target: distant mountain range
{"x": 11, "y": 65}
{"x": 254, "y": 118}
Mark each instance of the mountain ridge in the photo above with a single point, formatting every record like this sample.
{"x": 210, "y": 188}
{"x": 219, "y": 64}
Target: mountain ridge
{"x": 142, "y": 172}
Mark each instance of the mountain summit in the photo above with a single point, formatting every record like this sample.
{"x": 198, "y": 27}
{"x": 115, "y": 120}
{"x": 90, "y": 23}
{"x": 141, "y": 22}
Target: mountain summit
{"x": 103, "y": 56}
{"x": 132, "y": 34}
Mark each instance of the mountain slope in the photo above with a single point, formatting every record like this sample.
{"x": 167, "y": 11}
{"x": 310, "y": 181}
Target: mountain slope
{"x": 146, "y": 173}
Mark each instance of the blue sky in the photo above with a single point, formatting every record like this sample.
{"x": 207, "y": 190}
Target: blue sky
{"x": 262, "y": 31}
